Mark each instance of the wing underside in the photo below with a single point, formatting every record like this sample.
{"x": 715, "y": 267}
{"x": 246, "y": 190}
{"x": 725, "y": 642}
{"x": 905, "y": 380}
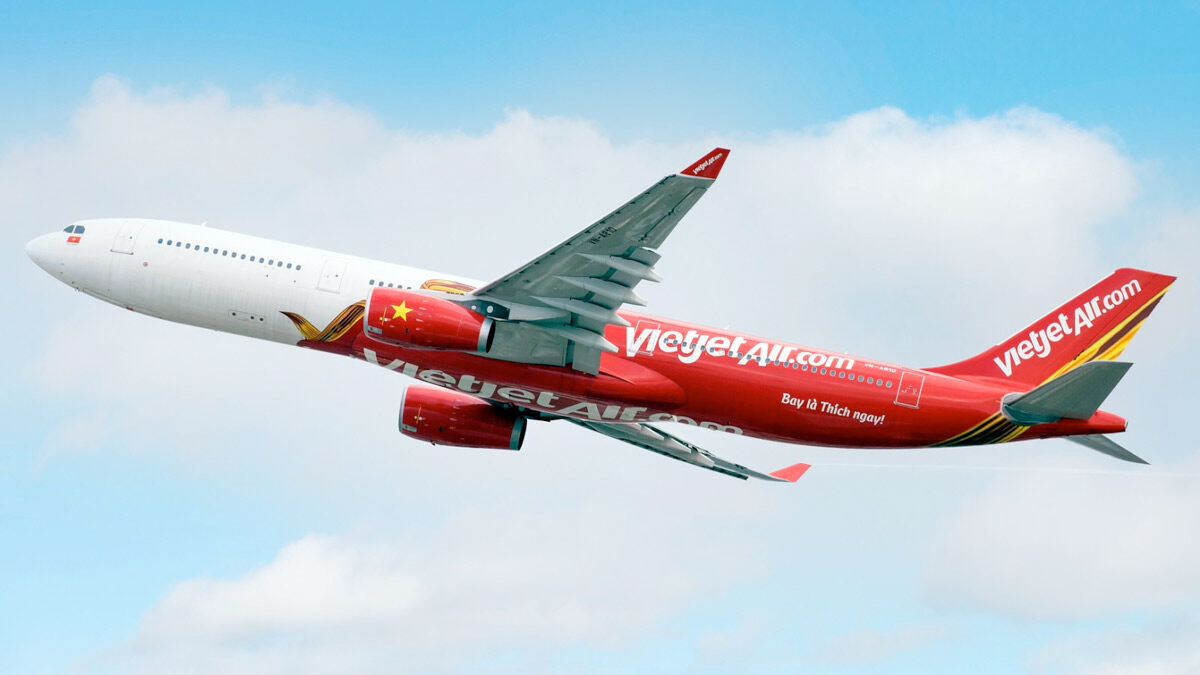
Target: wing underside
{"x": 656, "y": 440}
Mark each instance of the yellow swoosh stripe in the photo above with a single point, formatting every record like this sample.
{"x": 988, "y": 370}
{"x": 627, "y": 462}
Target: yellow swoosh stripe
{"x": 1090, "y": 353}
{"x": 338, "y": 327}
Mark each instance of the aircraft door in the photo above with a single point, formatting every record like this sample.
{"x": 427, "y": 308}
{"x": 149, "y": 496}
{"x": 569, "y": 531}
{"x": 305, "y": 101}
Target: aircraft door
{"x": 908, "y": 393}
{"x": 331, "y": 276}
{"x": 126, "y": 237}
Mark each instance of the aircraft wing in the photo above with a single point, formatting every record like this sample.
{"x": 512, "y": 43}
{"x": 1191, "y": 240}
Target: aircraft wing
{"x": 656, "y": 440}
{"x": 554, "y": 309}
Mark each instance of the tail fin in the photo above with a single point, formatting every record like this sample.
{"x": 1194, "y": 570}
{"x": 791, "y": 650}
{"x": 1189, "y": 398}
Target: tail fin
{"x": 1095, "y": 325}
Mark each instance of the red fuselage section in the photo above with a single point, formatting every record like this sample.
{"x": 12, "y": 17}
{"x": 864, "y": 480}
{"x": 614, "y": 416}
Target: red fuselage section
{"x": 668, "y": 371}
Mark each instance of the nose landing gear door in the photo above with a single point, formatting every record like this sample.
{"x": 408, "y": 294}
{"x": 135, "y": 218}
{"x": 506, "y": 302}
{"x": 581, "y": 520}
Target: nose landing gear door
{"x": 126, "y": 237}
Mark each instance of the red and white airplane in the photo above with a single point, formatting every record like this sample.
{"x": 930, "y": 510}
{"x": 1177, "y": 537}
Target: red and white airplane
{"x": 553, "y": 340}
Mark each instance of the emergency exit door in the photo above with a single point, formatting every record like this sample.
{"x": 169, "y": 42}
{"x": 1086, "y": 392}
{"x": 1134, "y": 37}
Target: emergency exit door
{"x": 126, "y": 237}
{"x": 908, "y": 394}
{"x": 331, "y": 276}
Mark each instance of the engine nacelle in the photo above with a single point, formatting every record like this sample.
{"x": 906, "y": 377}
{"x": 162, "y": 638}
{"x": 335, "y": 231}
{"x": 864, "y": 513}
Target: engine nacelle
{"x": 446, "y": 417}
{"x": 412, "y": 319}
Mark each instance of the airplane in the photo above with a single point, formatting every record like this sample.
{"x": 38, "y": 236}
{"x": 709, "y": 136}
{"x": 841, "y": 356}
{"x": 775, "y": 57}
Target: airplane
{"x": 556, "y": 339}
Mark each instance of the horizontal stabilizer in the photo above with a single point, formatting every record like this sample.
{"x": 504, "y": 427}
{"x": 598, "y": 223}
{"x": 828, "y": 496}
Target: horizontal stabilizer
{"x": 1077, "y": 394}
{"x": 1102, "y": 443}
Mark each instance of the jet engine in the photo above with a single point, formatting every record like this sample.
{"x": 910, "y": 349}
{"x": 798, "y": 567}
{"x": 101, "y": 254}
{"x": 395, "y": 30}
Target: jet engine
{"x": 446, "y": 417}
{"x": 412, "y": 319}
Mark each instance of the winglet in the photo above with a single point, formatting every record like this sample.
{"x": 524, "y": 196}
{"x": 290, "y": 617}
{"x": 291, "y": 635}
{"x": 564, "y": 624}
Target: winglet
{"x": 791, "y": 473}
{"x": 708, "y": 166}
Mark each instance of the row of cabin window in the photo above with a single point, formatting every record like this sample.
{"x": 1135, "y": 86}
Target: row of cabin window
{"x": 388, "y": 285}
{"x": 843, "y": 375}
{"x": 223, "y": 252}
{"x": 840, "y": 374}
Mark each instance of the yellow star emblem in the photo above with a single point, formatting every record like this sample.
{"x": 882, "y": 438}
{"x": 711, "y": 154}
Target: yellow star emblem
{"x": 402, "y": 311}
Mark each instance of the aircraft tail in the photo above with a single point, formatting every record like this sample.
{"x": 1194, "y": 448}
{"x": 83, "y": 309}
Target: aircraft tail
{"x": 1076, "y": 394}
{"x": 1095, "y": 325}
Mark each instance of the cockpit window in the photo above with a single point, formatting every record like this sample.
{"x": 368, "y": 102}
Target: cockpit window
{"x": 70, "y": 229}
{"x": 78, "y": 229}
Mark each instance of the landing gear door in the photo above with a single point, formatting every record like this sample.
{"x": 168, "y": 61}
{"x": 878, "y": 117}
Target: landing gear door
{"x": 331, "y": 276}
{"x": 126, "y": 237}
{"x": 908, "y": 394}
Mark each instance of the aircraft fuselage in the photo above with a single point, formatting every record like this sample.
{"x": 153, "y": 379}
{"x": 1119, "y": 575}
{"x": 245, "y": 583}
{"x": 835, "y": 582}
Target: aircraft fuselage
{"x": 664, "y": 370}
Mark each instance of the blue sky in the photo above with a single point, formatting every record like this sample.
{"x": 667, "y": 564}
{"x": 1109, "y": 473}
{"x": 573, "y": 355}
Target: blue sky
{"x": 130, "y": 489}
{"x": 675, "y": 68}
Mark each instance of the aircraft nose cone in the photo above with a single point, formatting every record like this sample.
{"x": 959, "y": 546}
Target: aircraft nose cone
{"x": 40, "y": 251}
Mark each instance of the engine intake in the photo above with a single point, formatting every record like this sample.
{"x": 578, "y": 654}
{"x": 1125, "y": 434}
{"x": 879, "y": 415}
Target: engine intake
{"x": 445, "y": 417}
{"x": 411, "y": 319}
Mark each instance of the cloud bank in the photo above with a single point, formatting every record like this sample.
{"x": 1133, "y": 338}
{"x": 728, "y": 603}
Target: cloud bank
{"x": 917, "y": 240}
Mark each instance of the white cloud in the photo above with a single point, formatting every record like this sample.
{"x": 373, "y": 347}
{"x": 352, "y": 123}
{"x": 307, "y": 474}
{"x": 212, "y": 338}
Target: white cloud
{"x": 864, "y": 223}
{"x": 1074, "y": 545}
{"x": 313, "y": 584}
{"x": 481, "y": 583}
{"x": 870, "y": 646}
{"x": 918, "y": 240}
{"x": 1163, "y": 646}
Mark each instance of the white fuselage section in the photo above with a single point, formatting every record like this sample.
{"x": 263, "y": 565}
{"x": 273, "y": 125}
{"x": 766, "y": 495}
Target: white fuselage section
{"x": 203, "y": 276}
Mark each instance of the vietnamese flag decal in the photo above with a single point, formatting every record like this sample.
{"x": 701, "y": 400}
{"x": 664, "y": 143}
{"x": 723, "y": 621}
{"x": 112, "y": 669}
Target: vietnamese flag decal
{"x": 73, "y": 239}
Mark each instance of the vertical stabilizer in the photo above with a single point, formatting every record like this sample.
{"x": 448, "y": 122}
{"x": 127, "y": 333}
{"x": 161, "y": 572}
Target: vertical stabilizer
{"x": 1095, "y": 325}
